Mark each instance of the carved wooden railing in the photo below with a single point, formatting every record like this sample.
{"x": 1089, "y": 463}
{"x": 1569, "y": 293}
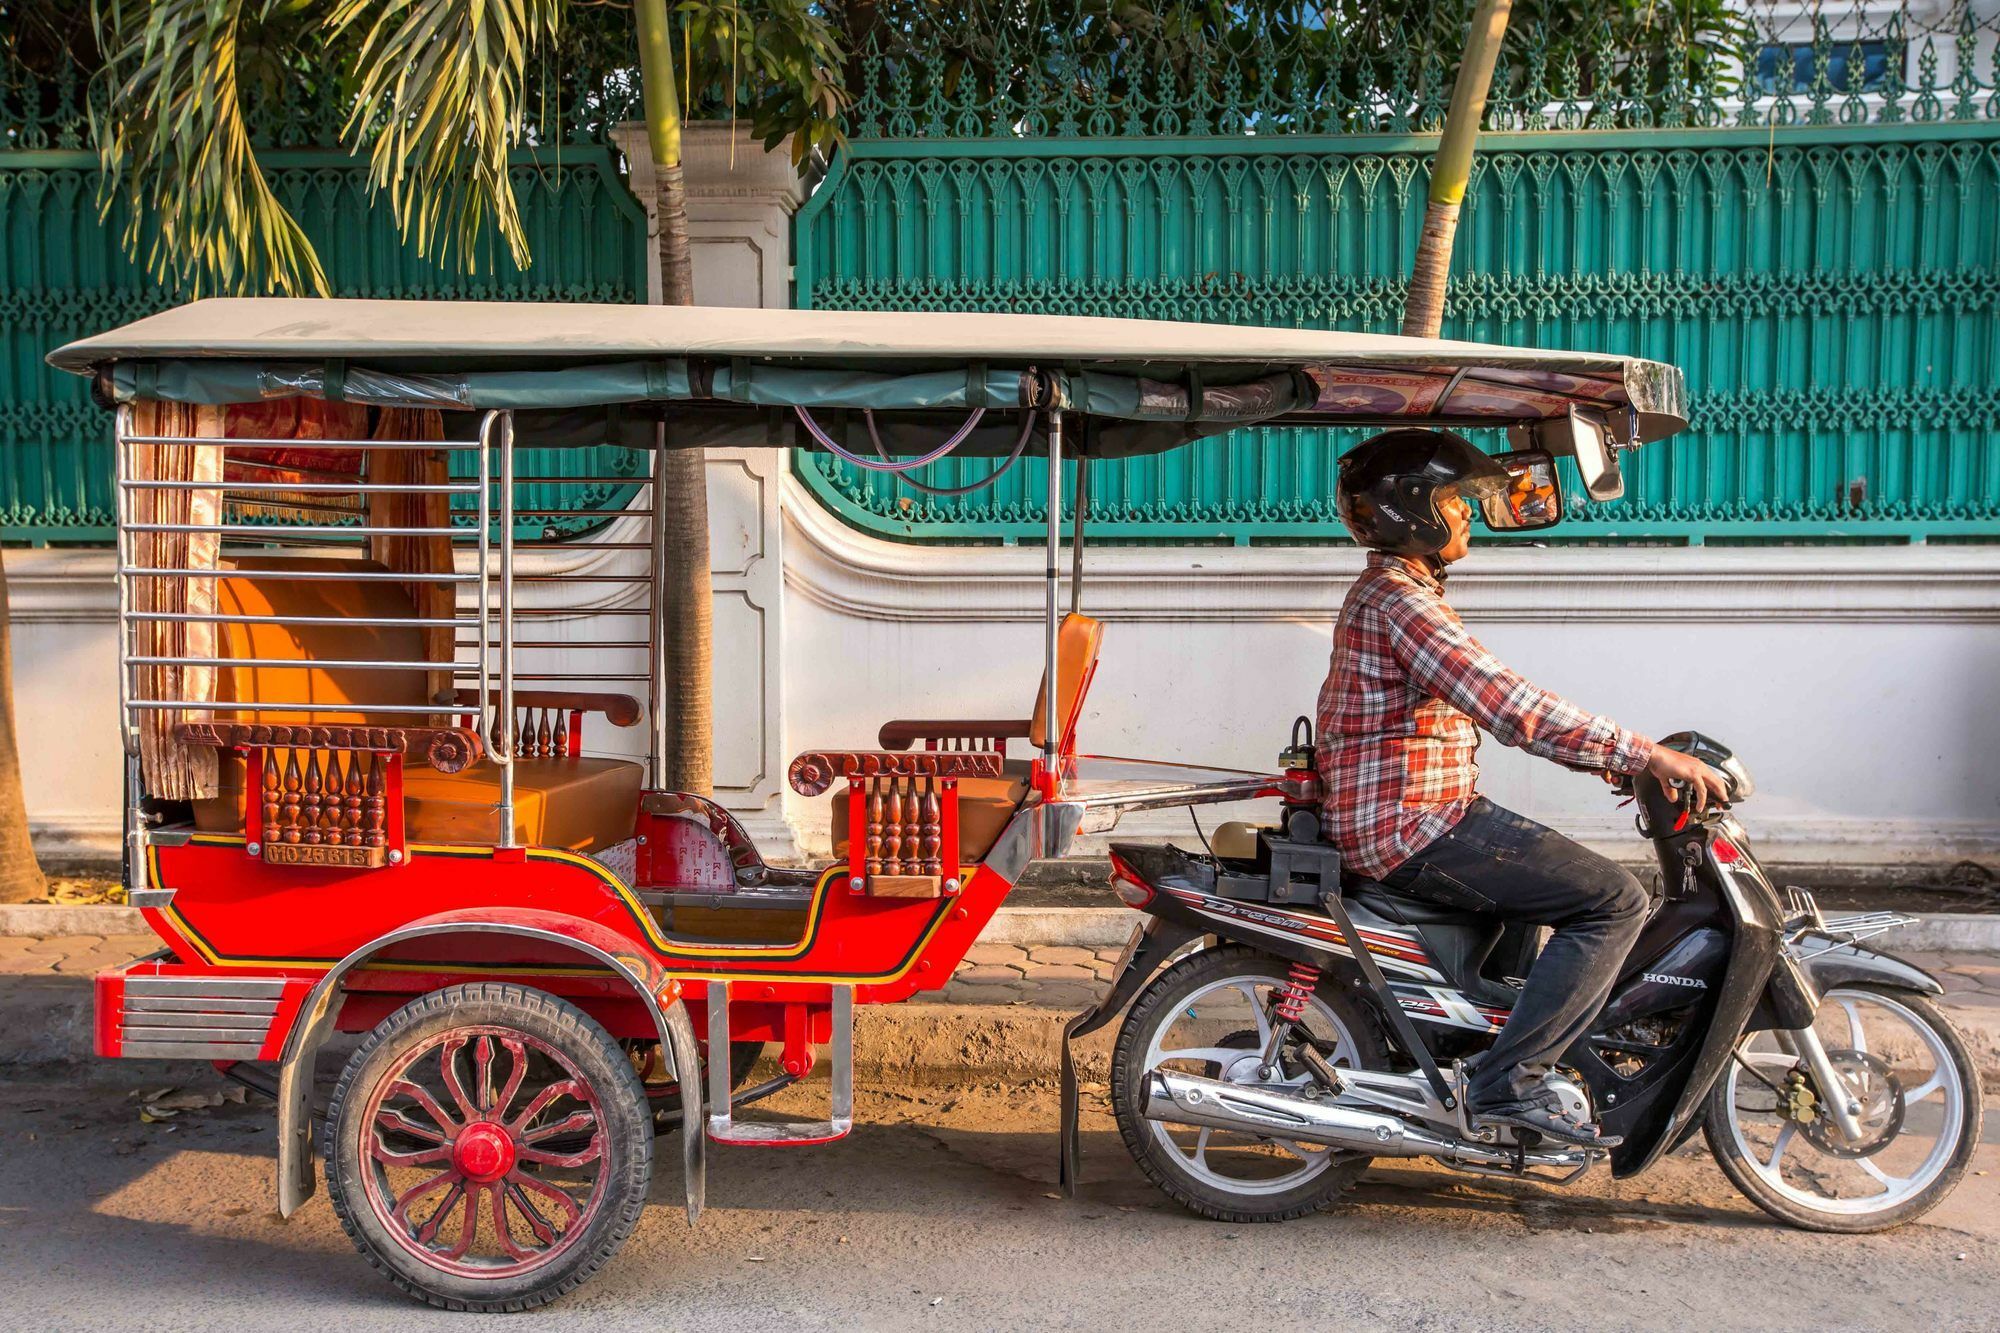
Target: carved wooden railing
{"x": 954, "y": 734}
{"x": 548, "y": 724}
{"x": 329, "y": 795}
{"x": 902, "y": 813}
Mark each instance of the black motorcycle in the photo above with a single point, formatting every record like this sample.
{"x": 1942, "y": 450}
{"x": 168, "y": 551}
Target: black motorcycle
{"x": 1288, "y": 1023}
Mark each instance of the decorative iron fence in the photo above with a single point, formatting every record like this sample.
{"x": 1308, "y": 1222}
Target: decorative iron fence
{"x": 1801, "y": 217}
{"x": 64, "y": 274}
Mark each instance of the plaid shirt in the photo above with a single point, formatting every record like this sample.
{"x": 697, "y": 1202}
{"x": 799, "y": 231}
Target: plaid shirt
{"x": 1400, "y": 713}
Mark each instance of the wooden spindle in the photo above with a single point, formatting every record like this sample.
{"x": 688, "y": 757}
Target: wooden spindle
{"x": 562, "y": 731}
{"x": 273, "y": 791}
{"x": 288, "y": 814}
{"x": 873, "y": 844}
{"x": 375, "y": 809}
{"x": 330, "y": 803}
{"x": 931, "y": 825}
{"x": 543, "y": 736}
{"x": 350, "y": 822}
{"x": 913, "y": 854}
{"x": 311, "y": 788}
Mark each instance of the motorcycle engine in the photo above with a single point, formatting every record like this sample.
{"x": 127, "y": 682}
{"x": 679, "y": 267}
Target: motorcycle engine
{"x": 1575, "y": 1101}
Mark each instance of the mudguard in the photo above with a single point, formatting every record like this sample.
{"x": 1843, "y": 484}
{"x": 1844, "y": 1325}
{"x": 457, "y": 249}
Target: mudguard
{"x": 1153, "y": 942}
{"x": 1830, "y": 964}
{"x": 297, "y": 1179}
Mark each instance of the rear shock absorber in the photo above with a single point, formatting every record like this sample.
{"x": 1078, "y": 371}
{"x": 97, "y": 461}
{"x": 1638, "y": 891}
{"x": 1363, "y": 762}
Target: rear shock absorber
{"x": 1288, "y": 1006}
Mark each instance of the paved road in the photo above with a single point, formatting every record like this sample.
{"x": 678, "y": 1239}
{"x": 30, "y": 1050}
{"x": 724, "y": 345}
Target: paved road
{"x": 936, "y": 1215}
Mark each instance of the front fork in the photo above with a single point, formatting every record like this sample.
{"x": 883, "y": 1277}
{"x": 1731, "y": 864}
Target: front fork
{"x": 1796, "y": 1000}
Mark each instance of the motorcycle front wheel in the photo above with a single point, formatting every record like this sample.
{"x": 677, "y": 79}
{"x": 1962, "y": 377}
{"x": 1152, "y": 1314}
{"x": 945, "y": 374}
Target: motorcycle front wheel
{"x": 1210, "y": 1014}
{"x": 1918, "y": 1089}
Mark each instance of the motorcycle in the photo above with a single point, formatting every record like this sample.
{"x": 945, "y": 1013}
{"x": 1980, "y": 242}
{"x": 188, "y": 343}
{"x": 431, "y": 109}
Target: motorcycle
{"x": 1289, "y": 1022}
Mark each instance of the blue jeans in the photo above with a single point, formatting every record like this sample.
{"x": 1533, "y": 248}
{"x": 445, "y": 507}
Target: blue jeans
{"x": 1497, "y": 863}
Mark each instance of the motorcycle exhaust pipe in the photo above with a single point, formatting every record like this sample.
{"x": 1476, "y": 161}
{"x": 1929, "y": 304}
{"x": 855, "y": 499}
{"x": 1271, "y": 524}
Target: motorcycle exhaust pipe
{"x": 1189, "y": 1099}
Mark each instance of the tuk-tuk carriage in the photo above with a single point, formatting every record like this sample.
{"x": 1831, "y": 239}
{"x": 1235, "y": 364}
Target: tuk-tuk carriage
{"x": 384, "y": 778}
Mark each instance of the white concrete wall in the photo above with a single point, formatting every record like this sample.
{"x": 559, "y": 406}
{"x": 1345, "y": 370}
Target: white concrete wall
{"x": 1859, "y": 685}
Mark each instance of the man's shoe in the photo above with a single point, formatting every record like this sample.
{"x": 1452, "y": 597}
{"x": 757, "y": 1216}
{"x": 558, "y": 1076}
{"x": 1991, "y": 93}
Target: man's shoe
{"x": 1543, "y": 1114}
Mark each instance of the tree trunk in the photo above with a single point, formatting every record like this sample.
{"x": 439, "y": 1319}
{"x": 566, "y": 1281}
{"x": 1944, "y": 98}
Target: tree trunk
{"x": 20, "y": 873}
{"x": 1423, "y": 306}
{"x": 685, "y": 600}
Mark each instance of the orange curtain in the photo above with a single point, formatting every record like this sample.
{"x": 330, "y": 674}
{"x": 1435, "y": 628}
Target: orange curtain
{"x": 171, "y": 770}
{"x": 416, "y": 555}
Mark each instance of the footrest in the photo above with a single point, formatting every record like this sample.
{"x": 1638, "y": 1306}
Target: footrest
{"x": 722, "y": 1124}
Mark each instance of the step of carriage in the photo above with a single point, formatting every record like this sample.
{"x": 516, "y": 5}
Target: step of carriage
{"x": 723, "y": 1127}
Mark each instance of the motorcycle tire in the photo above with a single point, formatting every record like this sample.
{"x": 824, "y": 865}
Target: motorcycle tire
{"x": 1157, "y": 1007}
{"x": 1722, "y": 1143}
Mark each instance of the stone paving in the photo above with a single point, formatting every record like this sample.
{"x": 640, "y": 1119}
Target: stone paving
{"x": 1055, "y": 975}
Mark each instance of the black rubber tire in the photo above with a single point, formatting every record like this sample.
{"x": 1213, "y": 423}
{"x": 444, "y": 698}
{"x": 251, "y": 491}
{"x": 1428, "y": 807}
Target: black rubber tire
{"x": 1158, "y": 1003}
{"x": 628, "y": 1142}
{"x": 1717, "y": 1113}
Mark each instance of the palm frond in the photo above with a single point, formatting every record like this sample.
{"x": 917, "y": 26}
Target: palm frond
{"x": 173, "y": 145}
{"x": 439, "y": 107}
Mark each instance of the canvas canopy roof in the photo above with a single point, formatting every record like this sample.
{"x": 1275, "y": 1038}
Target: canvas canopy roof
{"x": 583, "y": 370}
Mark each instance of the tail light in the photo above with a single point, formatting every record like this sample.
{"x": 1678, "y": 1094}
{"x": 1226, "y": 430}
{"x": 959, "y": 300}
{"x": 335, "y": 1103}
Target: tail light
{"x": 1132, "y": 890}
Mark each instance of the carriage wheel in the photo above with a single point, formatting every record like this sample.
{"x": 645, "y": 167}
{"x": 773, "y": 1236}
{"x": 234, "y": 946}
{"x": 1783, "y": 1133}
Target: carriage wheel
{"x": 489, "y": 1147}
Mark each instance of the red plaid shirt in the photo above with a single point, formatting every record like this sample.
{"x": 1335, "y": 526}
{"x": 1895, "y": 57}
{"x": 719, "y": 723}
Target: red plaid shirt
{"x": 1401, "y": 711}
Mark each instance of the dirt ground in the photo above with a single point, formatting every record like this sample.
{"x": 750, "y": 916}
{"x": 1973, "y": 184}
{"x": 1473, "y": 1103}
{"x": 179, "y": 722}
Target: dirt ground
{"x": 939, "y": 1213}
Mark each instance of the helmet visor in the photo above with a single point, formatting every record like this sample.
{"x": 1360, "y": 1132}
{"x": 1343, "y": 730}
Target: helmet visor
{"x": 1526, "y": 499}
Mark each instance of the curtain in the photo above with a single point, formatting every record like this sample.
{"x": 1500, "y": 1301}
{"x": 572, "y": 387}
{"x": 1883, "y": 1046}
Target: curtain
{"x": 416, "y": 555}
{"x": 171, "y": 770}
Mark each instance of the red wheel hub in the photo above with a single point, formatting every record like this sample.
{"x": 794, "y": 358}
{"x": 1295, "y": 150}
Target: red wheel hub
{"x": 483, "y": 1151}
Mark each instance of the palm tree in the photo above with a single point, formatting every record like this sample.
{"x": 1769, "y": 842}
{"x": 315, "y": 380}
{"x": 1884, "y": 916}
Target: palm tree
{"x": 438, "y": 93}
{"x": 1451, "y": 169}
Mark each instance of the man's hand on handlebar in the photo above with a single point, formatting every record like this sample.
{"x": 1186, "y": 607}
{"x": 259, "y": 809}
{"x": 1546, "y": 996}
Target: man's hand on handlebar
{"x": 1702, "y": 784}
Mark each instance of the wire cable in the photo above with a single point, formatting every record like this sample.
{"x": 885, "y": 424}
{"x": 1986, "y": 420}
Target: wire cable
{"x": 948, "y": 492}
{"x": 825, "y": 441}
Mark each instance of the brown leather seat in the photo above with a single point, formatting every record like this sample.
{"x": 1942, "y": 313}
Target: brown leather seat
{"x": 577, "y": 804}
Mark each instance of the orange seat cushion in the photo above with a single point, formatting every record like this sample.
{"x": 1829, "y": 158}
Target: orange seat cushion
{"x": 985, "y": 805}
{"x": 581, "y": 805}
{"x": 1078, "y": 640}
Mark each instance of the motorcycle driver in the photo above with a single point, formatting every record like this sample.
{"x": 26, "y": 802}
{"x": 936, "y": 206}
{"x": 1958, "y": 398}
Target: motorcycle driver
{"x": 1399, "y": 716}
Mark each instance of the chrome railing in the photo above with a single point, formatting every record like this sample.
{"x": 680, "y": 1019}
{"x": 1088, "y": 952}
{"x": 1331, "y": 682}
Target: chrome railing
{"x": 485, "y": 645}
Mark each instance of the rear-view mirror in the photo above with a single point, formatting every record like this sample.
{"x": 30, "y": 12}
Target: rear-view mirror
{"x": 1531, "y": 499}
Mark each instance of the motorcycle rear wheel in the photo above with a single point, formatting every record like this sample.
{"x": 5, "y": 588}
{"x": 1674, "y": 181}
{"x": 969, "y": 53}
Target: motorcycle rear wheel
{"x": 1931, "y": 1084}
{"x": 1228, "y": 989}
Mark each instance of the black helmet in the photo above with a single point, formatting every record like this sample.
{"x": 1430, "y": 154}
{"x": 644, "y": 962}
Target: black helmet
{"x": 1389, "y": 484}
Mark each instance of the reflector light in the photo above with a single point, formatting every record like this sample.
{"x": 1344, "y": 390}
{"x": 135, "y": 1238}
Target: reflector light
{"x": 1725, "y": 851}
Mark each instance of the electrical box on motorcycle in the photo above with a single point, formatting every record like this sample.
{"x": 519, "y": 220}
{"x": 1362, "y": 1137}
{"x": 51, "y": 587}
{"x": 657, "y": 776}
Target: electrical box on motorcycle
{"x": 384, "y": 778}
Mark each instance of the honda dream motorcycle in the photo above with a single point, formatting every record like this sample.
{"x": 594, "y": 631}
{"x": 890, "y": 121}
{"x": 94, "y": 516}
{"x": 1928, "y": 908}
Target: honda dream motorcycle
{"x": 1332, "y": 1018}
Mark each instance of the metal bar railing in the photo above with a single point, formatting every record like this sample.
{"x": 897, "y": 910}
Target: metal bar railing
{"x": 310, "y": 487}
{"x": 373, "y": 622}
{"x": 266, "y": 442}
{"x": 506, "y": 759}
{"x": 296, "y": 575}
{"x": 485, "y": 646}
{"x": 269, "y": 706}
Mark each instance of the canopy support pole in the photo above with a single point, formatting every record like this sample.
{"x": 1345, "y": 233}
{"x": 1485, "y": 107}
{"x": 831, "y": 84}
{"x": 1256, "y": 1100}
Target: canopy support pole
{"x": 1076, "y": 534}
{"x": 505, "y": 759}
{"x": 1052, "y": 688}
{"x": 656, "y": 624}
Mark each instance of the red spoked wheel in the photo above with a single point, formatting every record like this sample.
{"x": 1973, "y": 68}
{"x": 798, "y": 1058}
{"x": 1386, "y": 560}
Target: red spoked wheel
{"x": 489, "y": 1147}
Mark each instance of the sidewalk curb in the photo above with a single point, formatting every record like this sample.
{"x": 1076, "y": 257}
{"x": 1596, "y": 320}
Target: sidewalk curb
{"x": 1077, "y": 927}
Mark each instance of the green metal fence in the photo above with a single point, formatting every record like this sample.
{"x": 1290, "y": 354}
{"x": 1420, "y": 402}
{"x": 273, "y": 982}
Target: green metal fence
{"x": 1818, "y": 249}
